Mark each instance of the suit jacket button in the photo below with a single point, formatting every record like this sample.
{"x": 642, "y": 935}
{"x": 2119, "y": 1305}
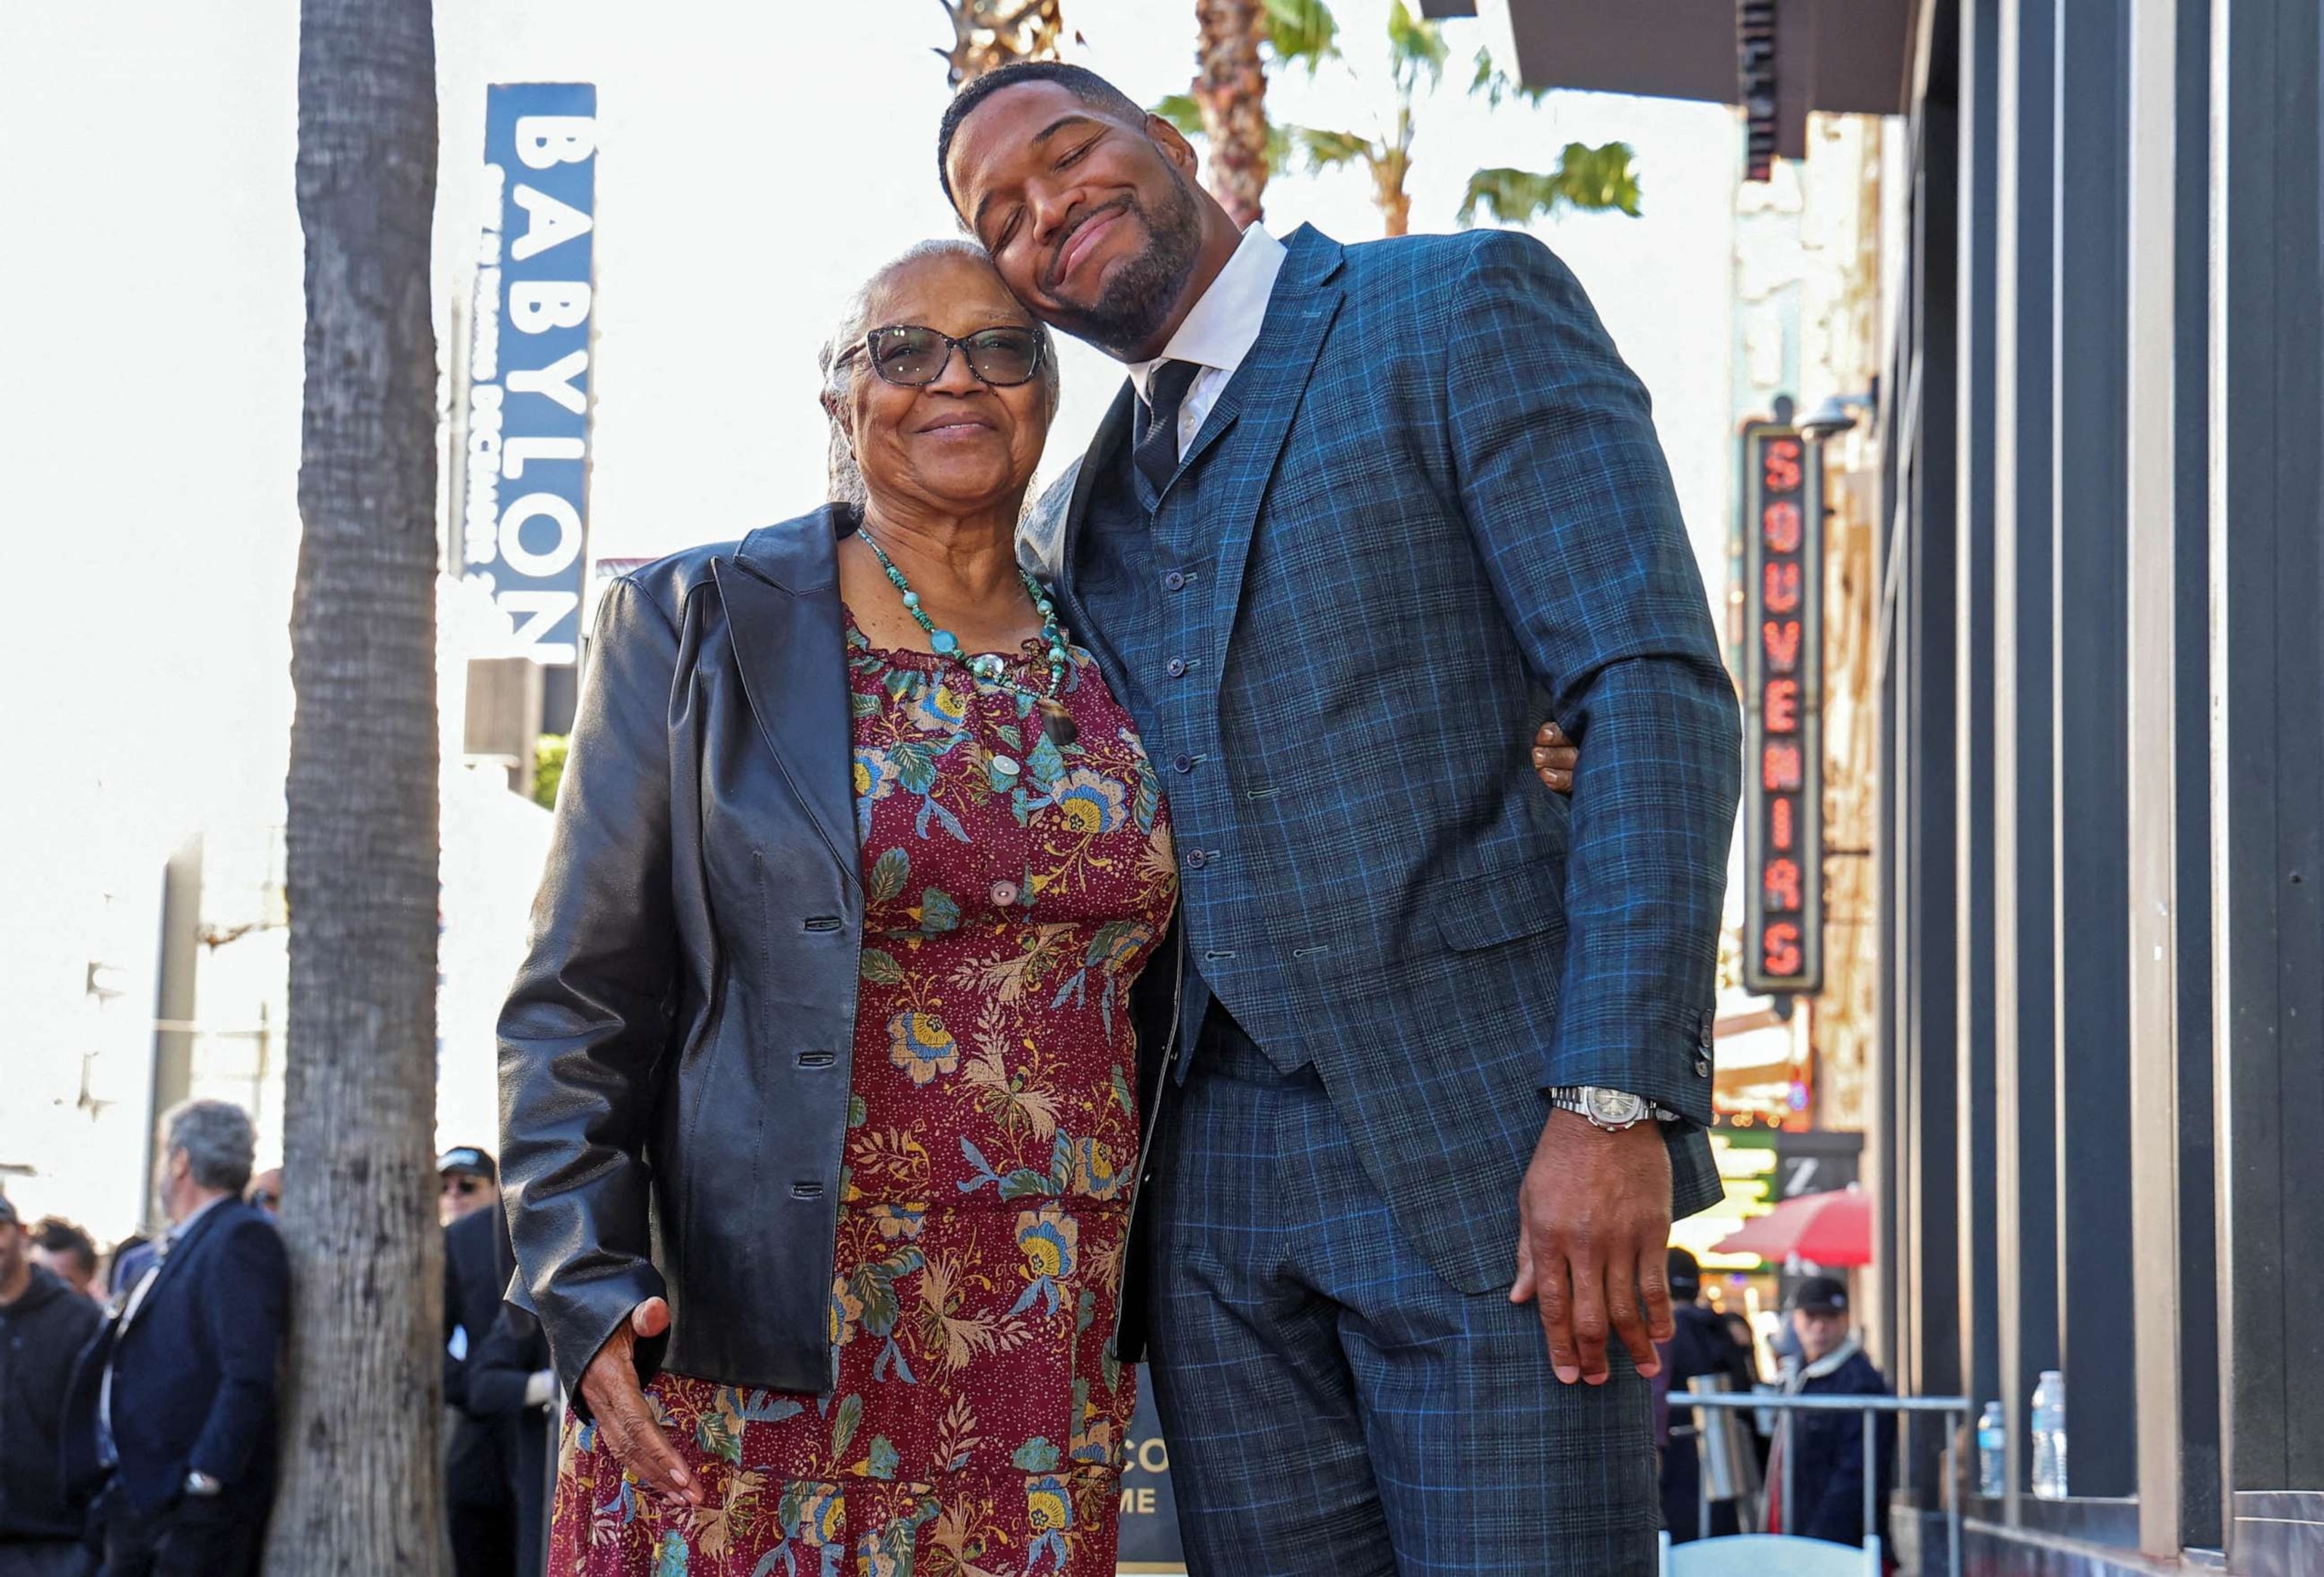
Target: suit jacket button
{"x": 1174, "y": 581}
{"x": 1196, "y": 859}
{"x": 1702, "y": 1067}
{"x": 1175, "y": 667}
{"x": 1183, "y": 763}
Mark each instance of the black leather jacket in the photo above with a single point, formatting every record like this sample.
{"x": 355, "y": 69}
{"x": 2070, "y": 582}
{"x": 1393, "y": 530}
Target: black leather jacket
{"x": 674, "y": 1053}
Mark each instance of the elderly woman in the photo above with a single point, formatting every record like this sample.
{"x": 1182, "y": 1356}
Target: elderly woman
{"x": 820, "y": 1089}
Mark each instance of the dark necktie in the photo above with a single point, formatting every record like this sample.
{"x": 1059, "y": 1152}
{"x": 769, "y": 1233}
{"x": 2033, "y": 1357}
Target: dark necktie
{"x": 1156, "y": 451}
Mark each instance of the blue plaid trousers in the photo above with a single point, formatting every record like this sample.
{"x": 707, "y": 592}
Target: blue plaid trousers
{"x": 1333, "y": 1406}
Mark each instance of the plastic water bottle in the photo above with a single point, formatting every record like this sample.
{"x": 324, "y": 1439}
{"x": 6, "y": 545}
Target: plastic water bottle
{"x": 2050, "y": 1436}
{"x": 1992, "y": 1453}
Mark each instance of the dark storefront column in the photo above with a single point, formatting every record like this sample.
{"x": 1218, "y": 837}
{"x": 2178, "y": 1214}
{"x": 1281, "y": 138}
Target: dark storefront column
{"x": 2025, "y": 1010}
{"x": 2199, "y": 1420}
{"x": 2268, "y": 763}
{"x": 1974, "y": 632}
{"x": 1931, "y": 1362}
{"x": 2094, "y": 1174}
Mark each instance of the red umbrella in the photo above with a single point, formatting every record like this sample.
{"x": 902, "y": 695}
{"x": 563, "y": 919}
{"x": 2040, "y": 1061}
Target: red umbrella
{"x": 1830, "y": 1229}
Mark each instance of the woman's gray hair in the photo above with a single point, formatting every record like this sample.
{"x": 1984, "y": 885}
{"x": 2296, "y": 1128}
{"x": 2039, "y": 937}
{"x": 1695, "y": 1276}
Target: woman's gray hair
{"x": 846, "y": 478}
{"x": 219, "y": 1139}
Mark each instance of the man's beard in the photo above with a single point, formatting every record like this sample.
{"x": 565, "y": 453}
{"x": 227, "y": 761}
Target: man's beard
{"x": 1137, "y": 301}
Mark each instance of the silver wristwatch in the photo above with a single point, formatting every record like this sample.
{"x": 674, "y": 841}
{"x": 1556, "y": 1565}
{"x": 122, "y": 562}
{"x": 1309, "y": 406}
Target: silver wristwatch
{"x": 1610, "y": 1110}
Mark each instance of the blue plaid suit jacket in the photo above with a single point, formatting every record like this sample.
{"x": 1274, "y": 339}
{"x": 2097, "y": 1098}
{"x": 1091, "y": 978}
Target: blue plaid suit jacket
{"x": 1435, "y": 512}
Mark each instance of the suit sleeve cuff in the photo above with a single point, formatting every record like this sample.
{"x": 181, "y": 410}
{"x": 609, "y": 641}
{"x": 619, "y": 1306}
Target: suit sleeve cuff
{"x": 1663, "y": 1056}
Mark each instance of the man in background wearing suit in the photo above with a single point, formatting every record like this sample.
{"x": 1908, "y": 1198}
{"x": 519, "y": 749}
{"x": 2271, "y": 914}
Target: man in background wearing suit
{"x": 477, "y": 1265}
{"x": 1362, "y": 518}
{"x": 173, "y": 1403}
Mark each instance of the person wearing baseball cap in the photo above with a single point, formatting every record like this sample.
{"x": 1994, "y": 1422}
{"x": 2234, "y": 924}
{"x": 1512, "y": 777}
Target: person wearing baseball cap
{"x": 480, "y": 1502}
{"x": 1827, "y": 1449}
{"x": 472, "y": 1180}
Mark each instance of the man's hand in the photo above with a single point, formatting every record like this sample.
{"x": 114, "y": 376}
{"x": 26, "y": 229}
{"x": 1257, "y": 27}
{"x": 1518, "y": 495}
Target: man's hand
{"x": 1554, "y": 757}
{"x": 1593, "y": 1243}
{"x": 610, "y": 1385}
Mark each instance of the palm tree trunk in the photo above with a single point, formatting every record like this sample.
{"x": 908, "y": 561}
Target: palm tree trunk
{"x": 1231, "y": 87}
{"x": 362, "y": 1486}
{"x": 1388, "y": 195}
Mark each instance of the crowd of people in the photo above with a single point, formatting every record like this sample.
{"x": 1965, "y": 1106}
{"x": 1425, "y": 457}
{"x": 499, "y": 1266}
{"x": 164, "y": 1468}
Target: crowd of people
{"x": 139, "y": 1387}
{"x": 1815, "y": 1352}
{"x": 156, "y": 1455}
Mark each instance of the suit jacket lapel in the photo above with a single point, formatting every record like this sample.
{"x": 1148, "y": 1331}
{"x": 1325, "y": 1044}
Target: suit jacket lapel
{"x": 784, "y": 618}
{"x": 1259, "y": 404}
{"x": 171, "y": 1265}
{"x": 1111, "y": 438}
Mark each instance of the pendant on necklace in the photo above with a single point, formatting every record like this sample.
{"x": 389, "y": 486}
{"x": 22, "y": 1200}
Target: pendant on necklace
{"x": 988, "y": 666}
{"x": 1057, "y": 723}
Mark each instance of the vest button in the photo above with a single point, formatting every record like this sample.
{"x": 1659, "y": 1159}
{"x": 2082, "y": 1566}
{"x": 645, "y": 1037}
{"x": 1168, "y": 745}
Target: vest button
{"x": 1183, "y": 763}
{"x": 1196, "y": 859}
{"x": 1175, "y": 667}
{"x": 1174, "y": 581}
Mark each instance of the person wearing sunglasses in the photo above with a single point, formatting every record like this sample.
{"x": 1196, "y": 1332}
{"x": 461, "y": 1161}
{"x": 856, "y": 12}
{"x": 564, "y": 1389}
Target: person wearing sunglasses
{"x": 823, "y": 1093}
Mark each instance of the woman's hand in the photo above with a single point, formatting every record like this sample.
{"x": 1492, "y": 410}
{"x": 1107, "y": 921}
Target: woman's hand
{"x": 1554, "y": 757}
{"x": 610, "y": 1385}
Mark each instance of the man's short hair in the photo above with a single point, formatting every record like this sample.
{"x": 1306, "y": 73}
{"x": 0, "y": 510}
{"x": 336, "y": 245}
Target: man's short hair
{"x": 219, "y": 1142}
{"x": 1078, "y": 81}
{"x": 56, "y": 1235}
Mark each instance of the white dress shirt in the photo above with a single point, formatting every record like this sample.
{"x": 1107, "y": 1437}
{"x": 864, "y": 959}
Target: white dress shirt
{"x": 1221, "y": 329}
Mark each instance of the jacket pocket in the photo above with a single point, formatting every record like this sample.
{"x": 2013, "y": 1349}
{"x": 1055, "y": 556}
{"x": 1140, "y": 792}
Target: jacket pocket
{"x": 1509, "y": 905}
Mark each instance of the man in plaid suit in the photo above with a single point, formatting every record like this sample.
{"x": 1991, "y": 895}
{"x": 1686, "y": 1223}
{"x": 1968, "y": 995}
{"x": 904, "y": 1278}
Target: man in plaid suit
{"x": 1363, "y": 518}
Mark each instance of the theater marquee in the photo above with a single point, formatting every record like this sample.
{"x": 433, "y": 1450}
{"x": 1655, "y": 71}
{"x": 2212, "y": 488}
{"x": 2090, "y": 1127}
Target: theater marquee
{"x": 1783, "y": 707}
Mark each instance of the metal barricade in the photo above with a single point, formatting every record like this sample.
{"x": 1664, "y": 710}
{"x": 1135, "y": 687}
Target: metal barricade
{"x": 1709, "y": 1404}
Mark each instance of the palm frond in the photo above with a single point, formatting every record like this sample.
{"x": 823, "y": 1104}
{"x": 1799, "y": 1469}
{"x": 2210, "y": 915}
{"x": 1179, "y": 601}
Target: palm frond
{"x": 1329, "y": 150}
{"x": 1279, "y": 148}
{"x": 1182, "y": 112}
{"x": 1493, "y": 85}
{"x": 1302, "y": 32}
{"x": 1587, "y": 179}
{"x": 1416, "y": 49}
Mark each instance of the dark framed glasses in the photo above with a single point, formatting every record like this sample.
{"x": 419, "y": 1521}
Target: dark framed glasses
{"x": 913, "y": 356}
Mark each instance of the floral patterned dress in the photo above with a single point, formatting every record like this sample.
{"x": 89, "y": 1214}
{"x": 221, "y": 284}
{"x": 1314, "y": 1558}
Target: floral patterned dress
{"x": 977, "y": 1427}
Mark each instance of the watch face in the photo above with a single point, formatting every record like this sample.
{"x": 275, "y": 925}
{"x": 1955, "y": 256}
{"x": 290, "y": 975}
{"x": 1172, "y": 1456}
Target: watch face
{"x": 1615, "y": 1106}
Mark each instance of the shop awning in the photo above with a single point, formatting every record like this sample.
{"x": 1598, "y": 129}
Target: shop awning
{"x": 1844, "y": 56}
{"x": 1831, "y": 1230}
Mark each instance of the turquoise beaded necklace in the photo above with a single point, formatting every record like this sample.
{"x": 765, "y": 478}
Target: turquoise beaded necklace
{"x": 990, "y": 667}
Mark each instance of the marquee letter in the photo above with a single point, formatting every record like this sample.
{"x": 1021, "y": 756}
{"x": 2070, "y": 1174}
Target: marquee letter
{"x": 538, "y": 306}
{"x": 541, "y": 566}
{"x": 1781, "y": 524}
{"x": 1783, "y": 467}
{"x": 544, "y": 140}
{"x": 1781, "y": 888}
{"x": 542, "y": 609}
{"x": 550, "y": 224}
{"x": 1779, "y": 764}
{"x": 1781, "y": 644}
{"x": 1783, "y": 702}
{"x": 556, "y": 381}
{"x": 1779, "y": 950}
{"x": 517, "y": 451}
{"x": 1780, "y": 584}
{"x": 1779, "y": 823}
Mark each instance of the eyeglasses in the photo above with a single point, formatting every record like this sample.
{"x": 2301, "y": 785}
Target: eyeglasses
{"x": 913, "y": 357}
